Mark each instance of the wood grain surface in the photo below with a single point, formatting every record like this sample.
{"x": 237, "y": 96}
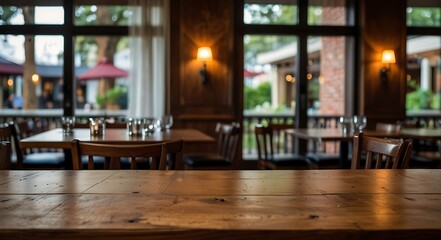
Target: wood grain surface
{"x": 310, "y": 204}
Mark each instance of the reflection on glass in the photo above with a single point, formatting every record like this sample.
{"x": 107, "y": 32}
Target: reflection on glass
{"x": 101, "y": 15}
{"x": 424, "y": 16}
{"x": 423, "y": 74}
{"x": 15, "y": 15}
{"x": 285, "y": 13}
{"x": 106, "y": 90}
{"x": 269, "y": 74}
{"x": 326, "y": 12}
{"x": 34, "y": 85}
{"x": 328, "y": 74}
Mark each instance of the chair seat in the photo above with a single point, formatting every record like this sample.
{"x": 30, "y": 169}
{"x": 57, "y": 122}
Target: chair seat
{"x": 98, "y": 162}
{"x": 289, "y": 160}
{"x": 203, "y": 160}
{"x": 49, "y": 159}
{"x": 324, "y": 159}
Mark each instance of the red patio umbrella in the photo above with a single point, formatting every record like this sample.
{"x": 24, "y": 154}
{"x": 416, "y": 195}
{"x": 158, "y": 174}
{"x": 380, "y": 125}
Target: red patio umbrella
{"x": 247, "y": 73}
{"x": 10, "y": 68}
{"x": 104, "y": 69}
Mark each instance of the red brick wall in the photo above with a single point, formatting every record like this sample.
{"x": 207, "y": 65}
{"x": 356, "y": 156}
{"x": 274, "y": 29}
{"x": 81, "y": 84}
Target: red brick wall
{"x": 332, "y": 65}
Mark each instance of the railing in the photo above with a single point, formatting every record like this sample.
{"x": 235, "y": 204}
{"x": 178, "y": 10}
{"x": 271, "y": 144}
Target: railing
{"x": 425, "y": 119}
{"x": 251, "y": 120}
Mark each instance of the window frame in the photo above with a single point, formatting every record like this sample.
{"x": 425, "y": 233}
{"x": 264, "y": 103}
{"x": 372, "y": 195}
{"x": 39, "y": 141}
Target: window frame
{"x": 69, "y": 31}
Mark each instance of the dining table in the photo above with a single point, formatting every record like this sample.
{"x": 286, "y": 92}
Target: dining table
{"x": 206, "y": 204}
{"x": 57, "y": 139}
{"x": 318, "y": 135}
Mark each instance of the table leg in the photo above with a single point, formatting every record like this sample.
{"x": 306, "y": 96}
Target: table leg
{"x": 68, "y": 165}
{"x": 344, "y": 152}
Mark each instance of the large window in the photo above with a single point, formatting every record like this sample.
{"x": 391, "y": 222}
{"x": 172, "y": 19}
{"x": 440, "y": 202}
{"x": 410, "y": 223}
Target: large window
{"x": 59, "y": 68}
{"x": 423, "y": 94}
{"x": 283, "y": 52}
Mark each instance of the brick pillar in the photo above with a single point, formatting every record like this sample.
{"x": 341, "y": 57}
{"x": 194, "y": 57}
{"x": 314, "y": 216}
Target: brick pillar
{"x": 332, "y": 65}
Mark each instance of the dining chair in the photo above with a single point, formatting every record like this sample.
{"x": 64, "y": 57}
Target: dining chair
{"x": 380, "y": 153}
{"x": 5, "y": 155}
{"x": 114, "y": 152}
{"x": 174, "y": 150}
{"x": 224, "y": 158}
{"x": 273, "y": 153}
{"x": 33, "y": 159}
{"x": 6, "y": 137}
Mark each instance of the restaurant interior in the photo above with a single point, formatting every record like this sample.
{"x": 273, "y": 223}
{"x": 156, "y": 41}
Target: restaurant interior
{"x": 219, "y": 90}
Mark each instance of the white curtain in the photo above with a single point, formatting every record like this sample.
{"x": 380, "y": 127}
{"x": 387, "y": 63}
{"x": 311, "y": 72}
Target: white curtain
{"x": 148, "y": 42}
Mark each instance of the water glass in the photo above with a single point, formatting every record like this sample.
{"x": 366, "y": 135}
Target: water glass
{"x": 68, "y": 124}
{"x": 135, "y": 126}
{"x": 166, "y": 122}
{"x": 150, "y": 125}
{"x": 97, "y": 126}
{"x": 346, "y": 125}
{"x": 360, "y": 122}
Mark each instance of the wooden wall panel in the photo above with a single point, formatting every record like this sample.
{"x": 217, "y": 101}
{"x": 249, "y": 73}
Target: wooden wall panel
{"x": 205, "y": 23}
{"x": 197, "y": 23}
{"x": 382, "y": 27}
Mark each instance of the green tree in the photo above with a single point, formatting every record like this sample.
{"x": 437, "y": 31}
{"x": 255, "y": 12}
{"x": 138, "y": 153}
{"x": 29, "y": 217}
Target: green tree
{"x": 257, "y": 96}
{"x": 423, "y": 16}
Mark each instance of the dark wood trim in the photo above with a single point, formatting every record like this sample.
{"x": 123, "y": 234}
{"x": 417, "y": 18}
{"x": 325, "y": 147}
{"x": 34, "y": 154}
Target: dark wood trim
{"x": 174, "y": 58}
{"x": 101, "y": 30}
{"x": 434, "y": 31}
{"x": 68, "y": 66}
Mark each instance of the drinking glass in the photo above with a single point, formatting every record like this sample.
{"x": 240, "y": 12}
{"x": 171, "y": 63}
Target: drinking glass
{"x": 360, "y": 122}
{"x": 346, "y": 125}
{"x": 97, "y": 126}
{"x": 135, "y": 126}
{"x": 150, "y": 125}
{"x": 68, "y": 124}
{"x": 166, "y": 122}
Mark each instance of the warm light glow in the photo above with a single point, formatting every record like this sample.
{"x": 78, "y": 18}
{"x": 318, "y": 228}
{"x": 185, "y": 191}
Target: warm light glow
{"x": 204, "y": 54}
{"x": 290, "y": 78}
{"x": 388, "y": 56}
{"x": 35, "y": 78}
{"x": 321, "y": 79}
{"x": 10, "y": 82}
{"x": 309, "y": 76}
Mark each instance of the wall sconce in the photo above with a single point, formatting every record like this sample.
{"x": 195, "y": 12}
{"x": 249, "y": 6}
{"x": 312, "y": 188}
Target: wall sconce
{"x": 204, "y": 55}
{"x": 387, "y": 57}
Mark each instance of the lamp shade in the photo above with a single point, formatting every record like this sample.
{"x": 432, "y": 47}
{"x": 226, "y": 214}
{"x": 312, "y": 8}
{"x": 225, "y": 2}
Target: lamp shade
{"x": 388, "y": 56}
{"x": 204, "y": 54}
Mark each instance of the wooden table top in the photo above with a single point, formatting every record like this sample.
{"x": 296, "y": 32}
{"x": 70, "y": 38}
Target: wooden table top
{"x": 309, "y": 204}
{"x": 55, "y": 138}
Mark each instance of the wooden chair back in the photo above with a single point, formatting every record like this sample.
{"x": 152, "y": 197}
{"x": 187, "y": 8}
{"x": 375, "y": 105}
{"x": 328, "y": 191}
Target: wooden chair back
{"x": 8, "y": 133}
{"x": 5, "y": 155}
{"x": 228, "y": 139}
{"x": 380, "y": 153}
{"x": 388, "y": 127}
{"x": 281, "y": 141}
{"x": 174, "y": 150}
{"x": 264, "y": 140}
{"x": 114, "y": 152}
